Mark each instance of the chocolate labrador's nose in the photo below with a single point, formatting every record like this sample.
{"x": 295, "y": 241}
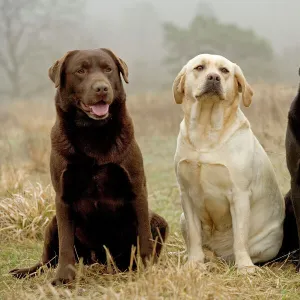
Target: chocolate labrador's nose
{"x": 100, "y": 88}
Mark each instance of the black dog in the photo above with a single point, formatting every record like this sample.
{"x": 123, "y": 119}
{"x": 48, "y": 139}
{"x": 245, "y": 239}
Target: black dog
{"x": 292, "y": 199}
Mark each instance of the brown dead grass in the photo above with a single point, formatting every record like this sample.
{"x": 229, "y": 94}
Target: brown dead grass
{"x": 26, "y": 204}
{"x": 26, "y": 214}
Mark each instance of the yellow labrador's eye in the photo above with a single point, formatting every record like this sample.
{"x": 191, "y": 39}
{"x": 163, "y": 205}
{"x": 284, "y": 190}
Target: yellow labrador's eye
{"x": 224, "y": 70}
{"x": 199, "y": 68}
{"x": 80, "y": 71}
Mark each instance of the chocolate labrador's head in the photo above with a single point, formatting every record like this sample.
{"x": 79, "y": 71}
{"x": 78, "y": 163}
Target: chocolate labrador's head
{"x": 90, "y": 81}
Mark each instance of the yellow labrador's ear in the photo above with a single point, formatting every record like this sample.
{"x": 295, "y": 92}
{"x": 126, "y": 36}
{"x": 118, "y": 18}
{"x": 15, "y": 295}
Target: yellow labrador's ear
{"x": 120, "y": 63}
{"x": 243, "y": 86}
{"x": 178, "y": 86}
{"x": 55, "y": 71}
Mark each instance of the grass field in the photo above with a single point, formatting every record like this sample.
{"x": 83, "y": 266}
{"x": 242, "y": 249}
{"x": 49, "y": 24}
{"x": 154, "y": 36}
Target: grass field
{"x": 26, "y": 205}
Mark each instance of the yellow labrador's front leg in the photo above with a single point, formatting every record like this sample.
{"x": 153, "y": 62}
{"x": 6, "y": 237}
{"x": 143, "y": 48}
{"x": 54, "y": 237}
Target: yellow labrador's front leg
{"x": 191, "y": 230}
{"x": 240, "y": 213}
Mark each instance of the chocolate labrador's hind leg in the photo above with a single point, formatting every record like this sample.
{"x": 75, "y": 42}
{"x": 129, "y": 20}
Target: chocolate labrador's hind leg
{"x": 49, "y": 256}
{"x": 159, "y": 230}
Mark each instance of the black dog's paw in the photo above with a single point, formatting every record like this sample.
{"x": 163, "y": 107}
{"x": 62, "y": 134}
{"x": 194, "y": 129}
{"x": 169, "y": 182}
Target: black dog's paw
{"x": 298, "y": 267}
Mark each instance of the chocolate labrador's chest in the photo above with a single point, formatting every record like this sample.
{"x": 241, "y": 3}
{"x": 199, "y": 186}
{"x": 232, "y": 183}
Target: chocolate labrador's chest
{"x": 102, "y": 191}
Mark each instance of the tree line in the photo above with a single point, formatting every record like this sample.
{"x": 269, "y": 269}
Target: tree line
{"x": 34, "y": 33}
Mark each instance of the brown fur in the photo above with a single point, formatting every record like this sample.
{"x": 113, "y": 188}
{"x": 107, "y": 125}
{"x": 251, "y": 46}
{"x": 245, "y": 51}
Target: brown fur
{"x": 97, "y": 171}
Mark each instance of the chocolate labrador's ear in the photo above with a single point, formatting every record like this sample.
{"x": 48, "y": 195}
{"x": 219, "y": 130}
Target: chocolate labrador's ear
{"x": 56, "y": 71}
{"x": 178, "y": 86}
{"x": 120, "y": 63}
{"x": 243, "y": 86}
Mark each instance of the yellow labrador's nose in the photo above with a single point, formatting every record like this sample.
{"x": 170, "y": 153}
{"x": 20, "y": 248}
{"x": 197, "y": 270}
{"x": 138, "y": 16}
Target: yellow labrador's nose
{"x": 213, "y": 77}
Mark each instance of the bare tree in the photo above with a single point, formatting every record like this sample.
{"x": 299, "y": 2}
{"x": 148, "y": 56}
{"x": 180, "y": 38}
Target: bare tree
{"x": 27, "y": 30}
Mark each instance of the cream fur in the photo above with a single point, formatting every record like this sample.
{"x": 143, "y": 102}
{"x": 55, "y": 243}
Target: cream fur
{"x": 229, "y": 193}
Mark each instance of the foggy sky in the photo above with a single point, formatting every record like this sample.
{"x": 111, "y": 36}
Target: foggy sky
{"x": 136, "y": 34}
{"x": 277, "y": 20}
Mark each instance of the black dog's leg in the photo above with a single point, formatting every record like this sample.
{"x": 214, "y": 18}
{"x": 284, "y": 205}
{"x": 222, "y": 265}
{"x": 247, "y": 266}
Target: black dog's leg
{"x": 290, "y": 233}
{"x": 295, "y": 193}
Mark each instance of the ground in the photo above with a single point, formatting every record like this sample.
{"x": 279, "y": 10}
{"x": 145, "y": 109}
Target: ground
{"x": 26, "y": 205}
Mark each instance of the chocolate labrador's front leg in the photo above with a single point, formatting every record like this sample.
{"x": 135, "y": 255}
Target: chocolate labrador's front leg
{"x": 66, "y": 259}
{"x": 134, "y": 167}
{"x": 65, "y": 194}
{"x": 144, "y": 229}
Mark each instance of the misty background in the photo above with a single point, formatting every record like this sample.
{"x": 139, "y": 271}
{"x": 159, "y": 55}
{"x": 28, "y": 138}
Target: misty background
{"x": 155, "y": 38}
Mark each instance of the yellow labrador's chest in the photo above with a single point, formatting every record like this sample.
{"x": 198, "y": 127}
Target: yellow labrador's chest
{"x": 209, "y": 187}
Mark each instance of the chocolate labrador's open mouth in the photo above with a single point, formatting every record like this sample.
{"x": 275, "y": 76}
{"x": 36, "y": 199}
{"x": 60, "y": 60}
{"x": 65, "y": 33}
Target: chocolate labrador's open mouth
{"x": 99, "y": 110}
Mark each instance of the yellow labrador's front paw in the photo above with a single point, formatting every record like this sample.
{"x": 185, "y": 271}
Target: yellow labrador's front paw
{"x": 196, "y": 258}
{"x": 196, "y": 264}
{"x": 244, "y": 270}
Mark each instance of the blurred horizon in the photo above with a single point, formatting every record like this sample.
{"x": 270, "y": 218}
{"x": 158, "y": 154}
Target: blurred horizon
{"x": 155, "y": 38}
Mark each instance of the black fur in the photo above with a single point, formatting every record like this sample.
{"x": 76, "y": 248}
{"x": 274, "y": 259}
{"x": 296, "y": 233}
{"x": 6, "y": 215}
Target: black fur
{"x": 291, "y": 239}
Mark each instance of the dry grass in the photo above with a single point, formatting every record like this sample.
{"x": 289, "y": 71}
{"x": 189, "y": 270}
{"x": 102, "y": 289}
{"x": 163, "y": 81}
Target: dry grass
{"x": 26, "y": 214}
{"x": 169, "y": 279}
{"x": 26, "y": 204}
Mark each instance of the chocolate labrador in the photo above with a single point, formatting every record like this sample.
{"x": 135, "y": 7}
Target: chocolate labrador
{"x": 96, "y": 170}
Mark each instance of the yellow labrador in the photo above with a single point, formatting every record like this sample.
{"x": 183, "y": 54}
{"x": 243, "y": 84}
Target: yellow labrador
{"x": 231, "y": 201}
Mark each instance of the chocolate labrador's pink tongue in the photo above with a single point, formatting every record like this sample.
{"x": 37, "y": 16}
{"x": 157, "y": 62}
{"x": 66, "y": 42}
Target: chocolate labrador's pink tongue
{"x": 100, "y": 109}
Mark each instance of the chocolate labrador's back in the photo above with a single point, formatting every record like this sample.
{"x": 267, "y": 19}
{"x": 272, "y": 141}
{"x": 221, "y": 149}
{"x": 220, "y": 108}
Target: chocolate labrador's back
{"x": 96, "y": 169}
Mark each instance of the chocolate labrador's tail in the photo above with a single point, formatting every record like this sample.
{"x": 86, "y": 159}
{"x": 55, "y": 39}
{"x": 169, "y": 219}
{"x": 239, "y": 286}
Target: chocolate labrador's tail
{"x": 49, "y": 257}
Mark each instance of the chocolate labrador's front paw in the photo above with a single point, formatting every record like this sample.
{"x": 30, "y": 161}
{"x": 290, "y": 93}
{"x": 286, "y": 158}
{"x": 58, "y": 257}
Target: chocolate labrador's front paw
{"x": 146, "y": 251}
{"x": 64, "y": 275}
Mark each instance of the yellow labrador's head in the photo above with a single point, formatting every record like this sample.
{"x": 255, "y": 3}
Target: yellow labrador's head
{"x": 211, "y": 77}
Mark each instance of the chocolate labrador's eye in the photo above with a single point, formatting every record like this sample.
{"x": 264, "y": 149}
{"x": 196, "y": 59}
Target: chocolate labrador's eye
{"x": 224, "y": 70}
{"x": 80, "y": 71}
{"x": 108, "y": 70}
{"x": 199, "y": 68}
